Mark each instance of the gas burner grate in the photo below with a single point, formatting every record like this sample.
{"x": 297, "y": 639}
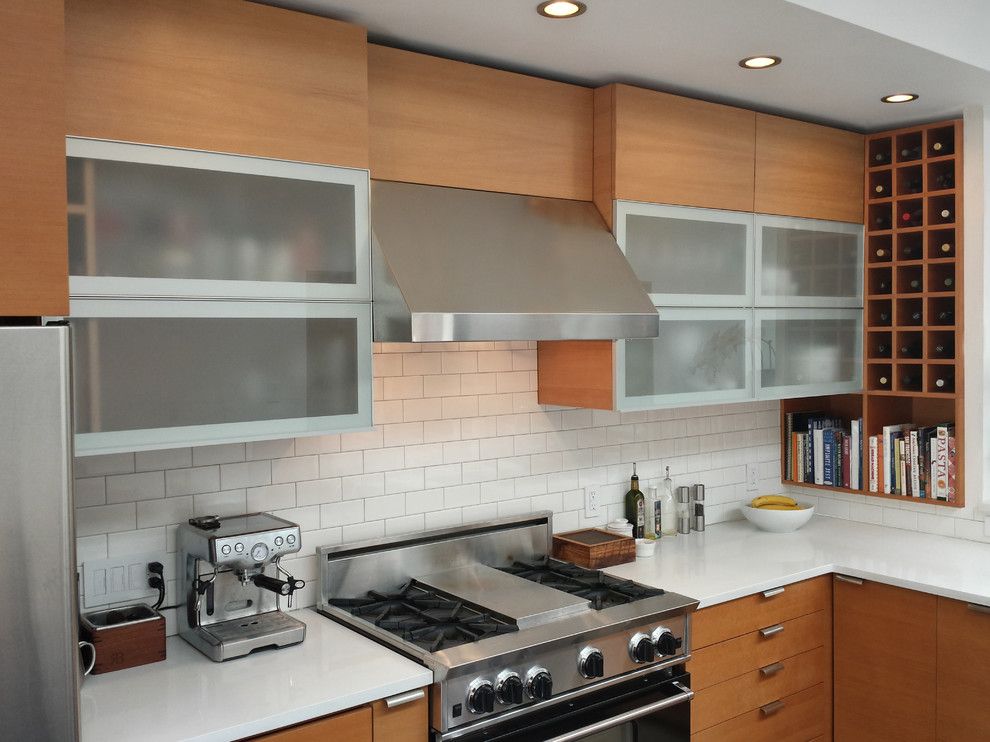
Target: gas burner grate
{"x": 429, "y": 619}
{"x": 601, "y": 589}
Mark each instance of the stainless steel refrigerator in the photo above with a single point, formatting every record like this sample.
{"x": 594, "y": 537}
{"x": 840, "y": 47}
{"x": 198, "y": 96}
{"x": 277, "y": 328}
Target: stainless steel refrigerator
{"x": 39, "y": 659}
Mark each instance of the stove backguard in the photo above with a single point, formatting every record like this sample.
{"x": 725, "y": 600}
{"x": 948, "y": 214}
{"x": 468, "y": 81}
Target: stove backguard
{"x": 386, "y": 565}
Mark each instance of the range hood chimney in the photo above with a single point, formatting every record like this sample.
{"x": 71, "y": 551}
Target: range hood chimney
{"x": 453, "y": 264}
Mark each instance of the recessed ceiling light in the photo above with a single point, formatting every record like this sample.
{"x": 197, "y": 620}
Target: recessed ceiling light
{"x": 900, "y": 98}
{"x": 560, "y": 9}
{"x": 759, "y": 63}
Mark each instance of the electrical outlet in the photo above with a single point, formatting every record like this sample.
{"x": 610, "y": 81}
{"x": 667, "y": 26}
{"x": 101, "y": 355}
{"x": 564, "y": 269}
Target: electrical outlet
{"x": 121, "y": 578}
{"x": 752, "y": 474}
{"x": 592, "y": 503}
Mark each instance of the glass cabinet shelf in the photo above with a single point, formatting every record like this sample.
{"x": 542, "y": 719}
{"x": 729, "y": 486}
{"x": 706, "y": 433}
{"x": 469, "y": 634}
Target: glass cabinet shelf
{"x": 158, "y": 374}
{"x": 159, "y": 222}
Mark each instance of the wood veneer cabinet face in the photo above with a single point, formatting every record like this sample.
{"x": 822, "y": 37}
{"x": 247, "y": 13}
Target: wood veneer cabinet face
{"x": 963, "y": 681}
{"x": 448, "y": 123}
{"x": 884, "y": 666}
{"x": 408, "y": 722}
{"x": 353, "y": 726}
{"x": 218, "y": 75}
{"x": 34, "y": 277}
{"x": 808, "y": 170}
{"x": 674, "y": 150}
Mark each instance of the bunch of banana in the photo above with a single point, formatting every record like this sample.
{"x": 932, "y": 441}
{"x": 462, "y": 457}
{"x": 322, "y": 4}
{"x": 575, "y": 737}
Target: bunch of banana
{"x": 775, "y": 502}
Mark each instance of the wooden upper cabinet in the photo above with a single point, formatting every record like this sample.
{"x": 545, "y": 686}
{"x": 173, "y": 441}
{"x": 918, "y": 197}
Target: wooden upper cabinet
{"x": 963, "y": 681}
{"x": 447, "y": 123}
{"x": 219, "y": 75}
{"x": 884, "y": 672}
{"x": 33, "y": 259}
{"x": 674, "y": 150}
{"x": 808, "y": 170}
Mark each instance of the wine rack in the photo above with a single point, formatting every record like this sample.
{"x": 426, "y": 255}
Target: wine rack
{"x": 913, "y": 302}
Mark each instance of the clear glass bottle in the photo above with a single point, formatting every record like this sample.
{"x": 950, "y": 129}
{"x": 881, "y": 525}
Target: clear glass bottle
{"x": 652, "y": 530}
{"x": 667, "y": 517}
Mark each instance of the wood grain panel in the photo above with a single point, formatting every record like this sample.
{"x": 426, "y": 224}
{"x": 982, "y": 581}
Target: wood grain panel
{"x": 604, "y": 146}
{"x": 448, "y": 123}
{"x": 963, "y": 702}
{"x": 808, "y": 170}
{"x": 731, "y": 698}
{"x": 33, "y": 239}
{"x": 221, "y": 75}
{"x": 735, "y": 618}
{"x": 798, "y": 720}
{"x": 884, "y": 671}
{"x": 406, "y": 723}
{"x": 725, "y": 660}
{"x": 675, "y": 150}
{"x": 576, "y": 373}
{"x": 353, "y": 726}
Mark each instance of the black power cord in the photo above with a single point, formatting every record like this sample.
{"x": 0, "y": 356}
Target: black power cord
{"x": 157, "y": 581}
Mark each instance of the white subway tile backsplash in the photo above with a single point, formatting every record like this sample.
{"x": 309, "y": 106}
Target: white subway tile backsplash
{"x": 442, "y": 476}
{"x": 362, "y": 531}
{"x": 438, "y": 431}
{"x": 257, "y": 450}
{"x": 91, "y": 548}
{"x": 404, "y": 480}
{"x": 495, "y": 448}
{"x": 461, "y": 362}
{"x": 403, "y": 387}
{"x": 341, "y": 513}
{"x": 271, "y": 497}
{"x": 388, "y": 506}
{"x": 164, "y": 512}
{"x": 98, "y": 466}
{"x": 136, "y": 542}
{"x": 384, "y": 459}
{"x": 363, "y": 485}
{"x": 228, "y": 502}
{"x": 172, "y": 458}
{"x": 192, "y": 481}
{"x": 317, "y": 444}
{"x": 106, "y": 519}
{"x": 422, "y": 409}
{"x": 443, "y": 518}
{"x": 295, "y": 469}
{"x": 427, "y": 454}
{"x": 318, "y": 491}
{"x": 342, "y": 464}
{"x": 405, "y": 524}
{"x": 479, "y": 471}
{"x": 495, "y": 404}
{"x": 403, "y": 434}
{"x": 361, "y": 440}
{"x": 442, "y": 385}
{"x": 226, "y": 453}
{"x": 496, "y": 360}
{"x": 90, "y": 491}
{"x": 248, "y": 474}
{"x": 461, "y": 496}
{"x": 458, "y": 451}
{"x": 424, "y": 500}
{"x": 421, "y": 364}
{"x": 132, "y": 487}
{"x": 478, "y": 383}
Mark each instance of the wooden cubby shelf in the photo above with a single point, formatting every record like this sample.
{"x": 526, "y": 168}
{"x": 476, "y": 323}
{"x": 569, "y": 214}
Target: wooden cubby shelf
{"x": 913, "y": 297}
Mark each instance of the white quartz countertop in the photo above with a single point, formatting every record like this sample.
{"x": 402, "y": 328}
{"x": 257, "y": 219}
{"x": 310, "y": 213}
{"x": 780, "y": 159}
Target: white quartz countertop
{"x": 731, "y": 560}
{"x": 189, "y": 697}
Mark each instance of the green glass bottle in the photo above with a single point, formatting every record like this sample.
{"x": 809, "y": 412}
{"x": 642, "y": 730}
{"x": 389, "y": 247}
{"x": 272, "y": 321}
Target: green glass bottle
{"x": 636, "y": 506}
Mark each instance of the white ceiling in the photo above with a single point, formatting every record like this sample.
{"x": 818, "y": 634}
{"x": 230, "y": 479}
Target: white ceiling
{"x": 834, "y": 70}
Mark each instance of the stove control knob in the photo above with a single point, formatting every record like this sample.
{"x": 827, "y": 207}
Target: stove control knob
{"x": 641, "y": 649}
{"x": 591, "y": 663}
{"x": 665, "y": 642}
{"x": 539, "y": 684}
{"x": 509, "y": 688}
{"x": 481, "y": 697}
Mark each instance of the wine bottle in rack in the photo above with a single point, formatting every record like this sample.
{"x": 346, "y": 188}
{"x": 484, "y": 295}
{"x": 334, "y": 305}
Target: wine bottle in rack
{"x": 881, "y": 158}
{"x": 944, "y": 349}
{"x": 881, "y": 252}
{"x": 883, "y": 381}
{"x": 915, "y": 284}
{"x": 946, "y": 317}
{"x": 882, "y": 350}
{"x": 945, "y": 215}
{"x": 948, "y": 283}
{"x": 945, "y": 249}
{"x": 912, "y": 186}
{"x": 916, "y": 318}
{"x": 911, "y": 153}
{"x": 879, "y": 189}
{"x": 911, "y": 252}
{"x": 944, "y": 379}
{"x": 883, "y": 286}
{"x": 881, "y": 222}
{"x": 939, "y": 147}
{"x": 944, "y": 181}
{"x": 911, "y": 218}
{"x": 911, "y": 381}
{"x": 911, "y": 350}
{"x": 884, "y": 318}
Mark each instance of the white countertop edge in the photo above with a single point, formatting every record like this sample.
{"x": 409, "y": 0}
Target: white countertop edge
{"x": 300, "y": 715}
{"x": 745, "y": 591}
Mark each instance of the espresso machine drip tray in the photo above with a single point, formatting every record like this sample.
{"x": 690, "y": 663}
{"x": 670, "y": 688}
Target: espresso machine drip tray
{"x": 238, "y": 637}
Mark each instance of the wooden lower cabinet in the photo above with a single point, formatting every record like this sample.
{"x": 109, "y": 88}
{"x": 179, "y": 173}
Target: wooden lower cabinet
{"x": 407, "y": 721}
{"x": 884, "y": 682}
{"x": 761, "y": 666}
{"x": 963, "y": 657}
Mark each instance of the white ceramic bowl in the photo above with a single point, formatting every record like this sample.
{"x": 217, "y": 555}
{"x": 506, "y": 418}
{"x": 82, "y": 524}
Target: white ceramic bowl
{"x": 778, "y": 521}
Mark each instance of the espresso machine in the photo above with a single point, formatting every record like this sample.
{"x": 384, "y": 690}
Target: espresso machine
{"x": 233, "y": 585}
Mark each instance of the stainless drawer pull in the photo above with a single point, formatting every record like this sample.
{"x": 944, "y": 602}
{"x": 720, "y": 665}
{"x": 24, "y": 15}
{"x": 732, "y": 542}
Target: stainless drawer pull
{"x": 772, "y": 708}
{"x": 775, "y": 591}
{"x": 850, "y": 580}
{"x": 978, "y": 608}
{"x": 403, "y": 698}
{"x": 771, "y": 669}
{"x": 771, "y": 630}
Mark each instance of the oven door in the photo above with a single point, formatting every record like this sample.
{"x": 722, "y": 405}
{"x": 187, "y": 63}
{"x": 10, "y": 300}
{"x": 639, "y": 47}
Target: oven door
{"x": 653, "y": 708}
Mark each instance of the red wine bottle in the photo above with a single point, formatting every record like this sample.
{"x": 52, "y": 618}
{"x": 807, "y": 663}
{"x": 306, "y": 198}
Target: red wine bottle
{"x": 911, "y": 218}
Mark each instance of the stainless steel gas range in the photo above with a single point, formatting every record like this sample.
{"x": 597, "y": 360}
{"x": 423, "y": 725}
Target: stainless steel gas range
{"x": 522, "y": 647}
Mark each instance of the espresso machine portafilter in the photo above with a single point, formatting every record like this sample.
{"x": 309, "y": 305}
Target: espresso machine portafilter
{"x": 233, "y": 586}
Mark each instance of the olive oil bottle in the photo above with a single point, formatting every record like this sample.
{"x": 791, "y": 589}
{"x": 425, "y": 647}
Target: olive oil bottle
{"x": 636, "y": 506}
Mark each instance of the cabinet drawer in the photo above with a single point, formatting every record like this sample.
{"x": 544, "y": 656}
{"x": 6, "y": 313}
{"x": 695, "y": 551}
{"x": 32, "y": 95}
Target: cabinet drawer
{"x": 963, "y": 683}
{"x": 755, "y": 689}
{"x": 799, "y": 718}
{"x": 738, "y": 617}
{"x": 751, "y": 651}
{"x": 354, "y": 726}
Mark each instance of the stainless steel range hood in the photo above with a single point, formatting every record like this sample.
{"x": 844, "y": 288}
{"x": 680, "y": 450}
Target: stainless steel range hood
{"x": 453, "y": 264}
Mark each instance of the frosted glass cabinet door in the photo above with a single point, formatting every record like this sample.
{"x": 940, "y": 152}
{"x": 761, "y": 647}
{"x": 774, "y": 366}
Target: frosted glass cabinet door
{"x": 148, "y": 221}
{"x": 150, "y": 374}
{"x": 808, "y": 263}
{"x": 702, "y": 356}
{"x": 808, "y": 352}
{"x": 686, "y": 256}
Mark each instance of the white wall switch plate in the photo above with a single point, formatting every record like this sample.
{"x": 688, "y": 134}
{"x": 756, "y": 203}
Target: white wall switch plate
{"x": 752, "y": 476}
{"x": 592, "y": 503}
{"x": 123, "y": 578}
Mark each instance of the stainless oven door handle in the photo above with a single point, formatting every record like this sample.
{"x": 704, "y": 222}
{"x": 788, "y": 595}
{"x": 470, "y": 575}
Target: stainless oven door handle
{"x": 686, "y": 694}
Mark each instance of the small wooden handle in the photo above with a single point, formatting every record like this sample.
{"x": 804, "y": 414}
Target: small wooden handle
{"x": 772, "y": 708}
{"x": 771, "y": 669}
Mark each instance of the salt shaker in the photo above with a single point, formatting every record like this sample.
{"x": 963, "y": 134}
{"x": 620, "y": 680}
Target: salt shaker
{"x": 698, "y": 507}
{"x": 683, "y": 510}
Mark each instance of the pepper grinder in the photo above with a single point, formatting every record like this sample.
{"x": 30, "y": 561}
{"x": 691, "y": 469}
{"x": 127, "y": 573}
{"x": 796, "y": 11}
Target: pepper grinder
{"x": 683, "y": 510}
{"x": 698, "y": 507}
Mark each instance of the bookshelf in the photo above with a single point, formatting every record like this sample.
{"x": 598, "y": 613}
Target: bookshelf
{"x": 913, "y": 295}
